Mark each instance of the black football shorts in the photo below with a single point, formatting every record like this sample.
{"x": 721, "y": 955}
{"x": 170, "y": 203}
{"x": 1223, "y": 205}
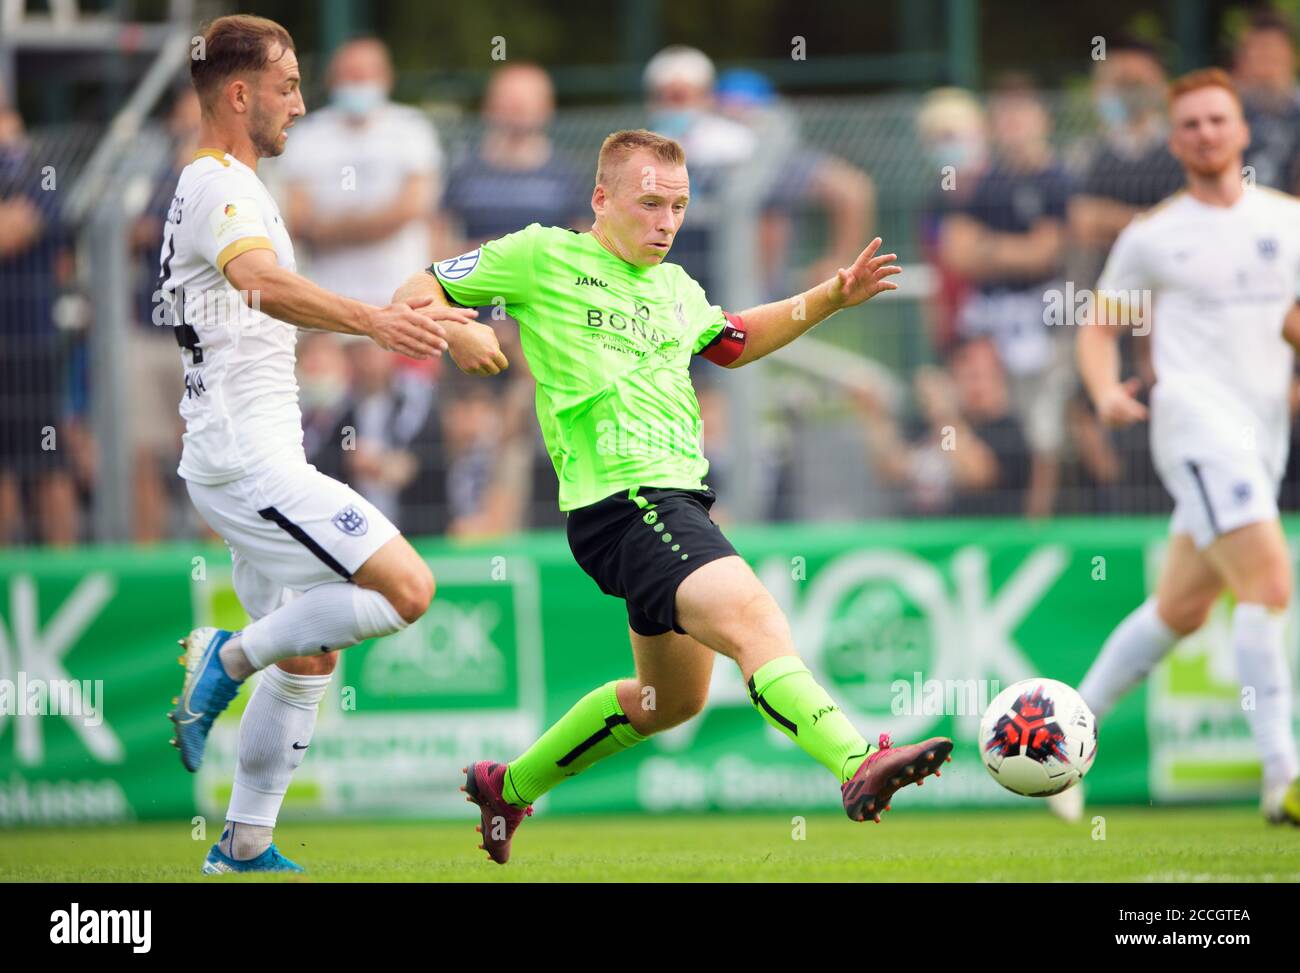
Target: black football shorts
{"x": 640, "y": 544}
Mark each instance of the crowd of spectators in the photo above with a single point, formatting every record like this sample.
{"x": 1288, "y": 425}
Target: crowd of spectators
{"x": 994, "y": 424}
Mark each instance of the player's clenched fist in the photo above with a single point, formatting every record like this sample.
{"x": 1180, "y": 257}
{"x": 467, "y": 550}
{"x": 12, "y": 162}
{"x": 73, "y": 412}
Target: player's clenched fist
{"x": 475, "y": 349}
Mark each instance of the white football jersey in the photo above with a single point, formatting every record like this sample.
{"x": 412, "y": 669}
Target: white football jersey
{"x": 1223, "y": 280}
{"x": 241, "y": 395}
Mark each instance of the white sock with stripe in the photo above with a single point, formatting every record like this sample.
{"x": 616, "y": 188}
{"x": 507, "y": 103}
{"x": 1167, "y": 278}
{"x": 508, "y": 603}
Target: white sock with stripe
{"x": 1128, "y": 656}
{"x": 274, "y": 735}
{"x": 1259, "y": 645}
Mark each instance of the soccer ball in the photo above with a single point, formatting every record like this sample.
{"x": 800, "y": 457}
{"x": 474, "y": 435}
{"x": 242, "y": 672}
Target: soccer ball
{"x": 1038, "y": 737}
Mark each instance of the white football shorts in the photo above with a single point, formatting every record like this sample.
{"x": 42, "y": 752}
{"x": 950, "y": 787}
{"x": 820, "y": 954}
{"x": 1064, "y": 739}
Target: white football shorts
{"x": 290, "y": 528}
{"x": 1215, "y": 494}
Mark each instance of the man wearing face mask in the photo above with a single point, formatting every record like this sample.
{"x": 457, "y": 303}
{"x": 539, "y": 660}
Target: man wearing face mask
{"x": 1009, "y": 240}
{"x": 954, "y": 136}
{"x": 1264, "y": 71}
{"x": 679, "y": 84}
{"x": 361, "y": 179}
{"x": 1130, "y": 171}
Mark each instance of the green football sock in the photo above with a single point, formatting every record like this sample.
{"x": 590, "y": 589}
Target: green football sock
{"x": 790, "y": 699}
{"x": 595, "y": 728}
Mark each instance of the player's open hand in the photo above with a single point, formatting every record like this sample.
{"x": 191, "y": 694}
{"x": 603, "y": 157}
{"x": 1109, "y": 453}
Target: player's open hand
{"x": 415, "y": 328}
{"x": 1118, "y": 405}
{"x": 866, "y": 278}
{"x": 475, "y": 349}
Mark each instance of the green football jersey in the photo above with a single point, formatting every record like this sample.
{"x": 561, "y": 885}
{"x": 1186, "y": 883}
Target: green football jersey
{"x": 610, "y": 345}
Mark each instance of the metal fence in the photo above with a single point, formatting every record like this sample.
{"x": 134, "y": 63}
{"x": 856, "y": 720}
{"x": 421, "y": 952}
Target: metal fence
{"x": 857, "y": 420}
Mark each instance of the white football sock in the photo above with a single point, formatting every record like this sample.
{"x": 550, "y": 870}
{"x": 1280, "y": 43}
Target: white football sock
{"x": 244, "y": 841}
{"x": 274, "y": 734}
{"x": 1260, "y": 649}
{"x": 329, "y": 616}
{"x": 1129, "y": 655}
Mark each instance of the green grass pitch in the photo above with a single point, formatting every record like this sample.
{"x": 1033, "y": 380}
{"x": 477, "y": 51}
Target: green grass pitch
{"x": 1140, "y": 844}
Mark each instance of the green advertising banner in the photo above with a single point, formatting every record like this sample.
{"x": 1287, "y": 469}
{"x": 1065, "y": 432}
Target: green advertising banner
{"x": 913, "y": 627}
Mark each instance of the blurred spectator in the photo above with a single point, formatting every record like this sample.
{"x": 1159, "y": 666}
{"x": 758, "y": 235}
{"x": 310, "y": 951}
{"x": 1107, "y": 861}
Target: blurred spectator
{"x": 679, "y": 86}
{"x": 954, "y": 138}
{"x": 807, "y": 181}
{"x": 512, "y": 176}
{"x": 157, "y": 376}
{"x": 1129, "y": 171}
{"x": 803, "y": 185}
{"x": 472, "y": 434}
{"x": 35, "y": 453}
{"x": 395, "y": 440}
{"x": 1009, "y": 240}
{"x": 1289, "y": 495}
{"x": 682, "y": 104}
{"x": 1131, "y": 168}
{"x": 1264, "y": 70}
{"x": 324, "y": 387}
{"x": 968, "y": 457}
{"x": 373, "y": 425}
{"x": 361, "y": 179}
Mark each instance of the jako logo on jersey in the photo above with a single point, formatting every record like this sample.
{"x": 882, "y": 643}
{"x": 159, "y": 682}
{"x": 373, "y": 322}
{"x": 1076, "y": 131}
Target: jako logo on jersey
{"x": 589, "y": 282}
{"x": 458, "y": 267}
{"x": 352, "y": 521}
{"x": 1267, "y": 248}
{"x": 1241, "y": 492}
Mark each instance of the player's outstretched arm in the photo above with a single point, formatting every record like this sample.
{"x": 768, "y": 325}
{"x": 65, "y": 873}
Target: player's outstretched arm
{"x": 414, "y": 330}
{"x": 772, "y": 326}
{"x": 473, "y": 346}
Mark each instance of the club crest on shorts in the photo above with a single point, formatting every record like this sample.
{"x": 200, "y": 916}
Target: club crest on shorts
{"x": 352, "y": 521}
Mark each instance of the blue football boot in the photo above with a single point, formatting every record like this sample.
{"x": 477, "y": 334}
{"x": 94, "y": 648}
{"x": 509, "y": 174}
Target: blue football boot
{"x": 207, "y": 691}
{"x": 270, "y": 860}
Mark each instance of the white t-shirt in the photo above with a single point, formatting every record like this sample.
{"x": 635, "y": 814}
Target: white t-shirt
{"x": 241, "y": 396}
{"x": 1223, "y": 280}
{"x": 347, "y": 169}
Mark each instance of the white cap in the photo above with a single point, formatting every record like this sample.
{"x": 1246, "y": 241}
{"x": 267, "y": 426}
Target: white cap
{"x": 678, "y": 63}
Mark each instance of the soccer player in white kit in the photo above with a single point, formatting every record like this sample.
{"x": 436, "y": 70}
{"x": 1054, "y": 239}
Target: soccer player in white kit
{"x": 1222, "y": 258}
{"x": 316, "y": 566}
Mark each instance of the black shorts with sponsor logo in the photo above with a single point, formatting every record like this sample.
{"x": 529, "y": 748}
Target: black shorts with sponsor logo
{"x": 640, "y": 544}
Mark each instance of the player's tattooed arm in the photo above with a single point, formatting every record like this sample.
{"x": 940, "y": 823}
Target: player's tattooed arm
{"x": 472, "y": 346}
{"x": 413, "y": 329}
{"x": 772, "y": 326}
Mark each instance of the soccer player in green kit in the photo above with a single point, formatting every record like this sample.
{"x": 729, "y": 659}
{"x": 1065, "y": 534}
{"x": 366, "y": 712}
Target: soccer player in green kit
{"x": 609, "y": 329}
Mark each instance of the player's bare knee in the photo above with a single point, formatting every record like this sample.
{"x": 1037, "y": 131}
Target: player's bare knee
{"x": 1273, "y": 592}
{"x": 760, "y": 622}
{"x": 668, "y": 713}
{"x": 1184, "y": 615}
{"x": 690, "y": 706}
{"x": 413, "y": 594}
{"x": 323, "y": 664}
